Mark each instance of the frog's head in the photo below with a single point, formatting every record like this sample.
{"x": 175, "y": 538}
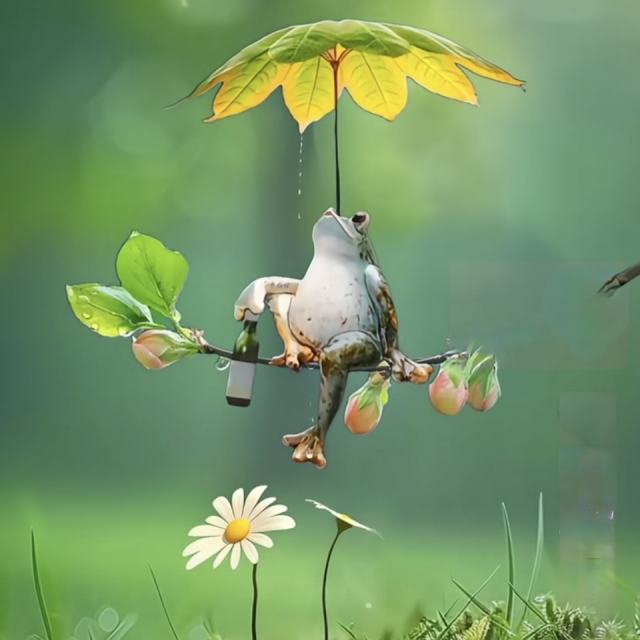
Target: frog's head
{"x": 338, "y": 237}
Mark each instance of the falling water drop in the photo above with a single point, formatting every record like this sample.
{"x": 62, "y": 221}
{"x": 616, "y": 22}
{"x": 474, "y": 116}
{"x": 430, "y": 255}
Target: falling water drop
{"x": 300, "y": 149}
{"x": 222, "y": 363}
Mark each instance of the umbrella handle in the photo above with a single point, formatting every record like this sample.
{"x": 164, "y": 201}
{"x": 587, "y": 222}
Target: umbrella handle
{"x": 334, "y": 66}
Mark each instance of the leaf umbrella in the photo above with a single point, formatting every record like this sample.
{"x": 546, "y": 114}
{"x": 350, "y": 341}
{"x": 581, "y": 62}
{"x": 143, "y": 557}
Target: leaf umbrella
{"x": 315, "y": 62}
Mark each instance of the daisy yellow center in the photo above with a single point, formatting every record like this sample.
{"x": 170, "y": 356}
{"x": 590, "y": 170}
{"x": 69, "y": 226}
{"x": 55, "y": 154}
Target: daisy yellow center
{"x": 237, "y": 530}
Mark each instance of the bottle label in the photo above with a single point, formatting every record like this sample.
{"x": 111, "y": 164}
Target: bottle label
{"x": 240, "y": 383}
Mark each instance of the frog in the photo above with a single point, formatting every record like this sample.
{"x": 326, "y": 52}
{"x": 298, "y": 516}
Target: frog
{"x": 339, "y": 316}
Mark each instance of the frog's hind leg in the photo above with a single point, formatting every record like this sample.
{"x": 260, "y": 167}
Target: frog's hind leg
{"x": 295, "y": 353}
{"x": 343, "y": 352}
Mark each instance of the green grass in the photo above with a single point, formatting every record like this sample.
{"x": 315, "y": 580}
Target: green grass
{"x": 378, "y": 589}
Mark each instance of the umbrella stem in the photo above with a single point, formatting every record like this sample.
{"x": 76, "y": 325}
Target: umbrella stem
{"x": 335, "y": 135}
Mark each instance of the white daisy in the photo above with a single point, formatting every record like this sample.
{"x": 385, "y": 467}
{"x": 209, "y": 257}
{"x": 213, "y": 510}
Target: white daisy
{"x": 343, "y": 520}
{"x": 240, "y": 526}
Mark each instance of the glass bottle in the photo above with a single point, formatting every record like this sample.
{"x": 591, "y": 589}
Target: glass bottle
{"x": 242, "y": 370}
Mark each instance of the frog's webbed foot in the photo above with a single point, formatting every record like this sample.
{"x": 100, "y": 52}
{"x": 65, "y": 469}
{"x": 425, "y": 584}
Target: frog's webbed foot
{"x": 404, "y": 369}
{"x": 307, "y": 446}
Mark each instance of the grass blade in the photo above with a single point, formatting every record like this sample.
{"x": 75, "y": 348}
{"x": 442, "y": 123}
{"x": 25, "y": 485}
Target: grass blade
{"x": 537, "y": 560}
{"x": 483, "y": 607}
{"x": 470, "y": 597}
{"x": 164, "y": 606}
{"x": 351, "y": 634}
{"x": 512, "y": 577}
{"x": 528, "y": 605}
{"x": 46, "y": 620}
{"x": 450, "y": 609}
{"x": 543, "y": 628}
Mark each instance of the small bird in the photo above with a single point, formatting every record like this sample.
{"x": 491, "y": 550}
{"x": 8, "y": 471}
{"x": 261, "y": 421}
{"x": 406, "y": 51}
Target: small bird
{"x": 620, "y": 279}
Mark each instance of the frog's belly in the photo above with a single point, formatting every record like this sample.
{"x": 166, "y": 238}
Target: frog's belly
{"x": 321, "y": 310}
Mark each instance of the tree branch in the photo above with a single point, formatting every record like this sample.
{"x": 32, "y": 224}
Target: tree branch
{"x": 210, "y": 349}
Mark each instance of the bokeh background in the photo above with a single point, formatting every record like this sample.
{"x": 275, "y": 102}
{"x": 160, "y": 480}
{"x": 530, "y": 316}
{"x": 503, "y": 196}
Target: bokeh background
{"x": 494, "y": 225}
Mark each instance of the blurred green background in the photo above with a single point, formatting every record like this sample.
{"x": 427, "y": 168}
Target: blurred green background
{"x": 493, "y": 224}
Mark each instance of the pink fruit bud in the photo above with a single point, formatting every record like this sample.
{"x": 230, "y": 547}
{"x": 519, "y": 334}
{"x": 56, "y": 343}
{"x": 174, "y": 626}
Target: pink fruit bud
{"x": 448, "y": 392}
{"x": 364, "y": 408}
{"x": 159, "y": 348}
{"x": 484, "y": 388}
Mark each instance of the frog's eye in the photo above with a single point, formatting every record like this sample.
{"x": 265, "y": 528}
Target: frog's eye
{"x": 360, "y": 221}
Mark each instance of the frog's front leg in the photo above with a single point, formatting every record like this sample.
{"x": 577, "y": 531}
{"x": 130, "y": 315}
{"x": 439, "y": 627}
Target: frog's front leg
{"x": 343, "y": 352}
{"x": 254, "y": 296}
{"x": 295, "y": 353}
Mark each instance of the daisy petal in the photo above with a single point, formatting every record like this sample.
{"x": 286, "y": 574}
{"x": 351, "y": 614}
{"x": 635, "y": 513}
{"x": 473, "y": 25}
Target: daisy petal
{"x": 323, "y": 507}
{"x": 277, "y": 523}
{"x": 252, "y": 500}
{"x": 237, "y": 502}
{"x": 221, "y": 556}
{"x": 250, "y": 551}
{"x": 235, "y": 556}
{"x": 276, "y": 510}
{"x": 261, "y": 539}
{"x": 205, "y": 530}
{"x": 216, "y": 521}
{"x": 342, "y": 517}
{"x": 202, "y": 556}
{"x": 260, "y": 507}
{"x": 203, "y": 544}
{"x": 222, "y": 506}
{"x": 197, "y": 559}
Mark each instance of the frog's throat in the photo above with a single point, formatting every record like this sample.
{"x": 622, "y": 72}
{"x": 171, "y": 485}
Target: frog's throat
{"x": 340, "y": 221}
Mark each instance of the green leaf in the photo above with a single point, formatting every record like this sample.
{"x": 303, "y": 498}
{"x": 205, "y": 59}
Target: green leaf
{"x": 246, "y": 55}
{"x": 309, "y": 40}
{"x": 152, "y": 273}
{"x": 304, "y": 41}
{"x": 109, "y": 311}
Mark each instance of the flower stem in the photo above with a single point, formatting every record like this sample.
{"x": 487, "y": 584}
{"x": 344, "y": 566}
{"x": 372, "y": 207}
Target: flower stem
{"x": 324, "y": 585}
{"x": 254, "y": 607}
